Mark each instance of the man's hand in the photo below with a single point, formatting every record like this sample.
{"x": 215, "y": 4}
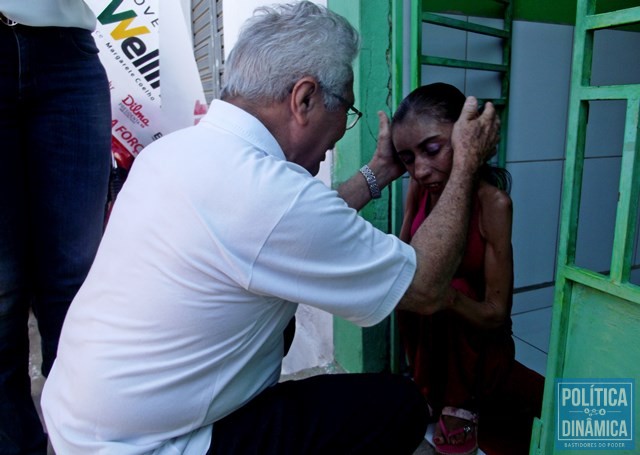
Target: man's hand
{"x": 475, "y": 135}
{"x": 384, "y": 163}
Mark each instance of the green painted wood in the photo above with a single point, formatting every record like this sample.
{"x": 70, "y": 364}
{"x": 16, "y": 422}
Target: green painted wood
{"x": 543, "y": 434}
{"x": 503, "y": 9}
{"x": 503, "y": 107}
{"x": 466, "y": 64}
{"x": 549, "y": 11}
{"x": 599, "y": 282}
{"x": 365, "y": 349}
{"x": 595, "y": 316}
{"x": 628, "y": 195}
{"x": 458, "y": 24}
{"x": 601, "y": 329}
{"x": 416, "y": 44}
{"x": 608, "y": 92}
{"x": 605, "y": 20}
{"x": 397, "y": 205}
{"x": 481, "y": 8}
{"x": 601, "y": 344}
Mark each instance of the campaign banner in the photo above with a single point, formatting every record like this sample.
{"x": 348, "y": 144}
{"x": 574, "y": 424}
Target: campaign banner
{"x": 153, "y": 77}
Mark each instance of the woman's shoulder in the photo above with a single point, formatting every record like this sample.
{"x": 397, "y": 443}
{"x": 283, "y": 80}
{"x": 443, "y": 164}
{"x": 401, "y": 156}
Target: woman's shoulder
{"x": 496, "y": 212}
{"x": 491, "y": 197}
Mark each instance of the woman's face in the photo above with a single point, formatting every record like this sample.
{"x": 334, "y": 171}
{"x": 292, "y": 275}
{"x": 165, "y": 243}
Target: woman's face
{"x": 423, "y": 144}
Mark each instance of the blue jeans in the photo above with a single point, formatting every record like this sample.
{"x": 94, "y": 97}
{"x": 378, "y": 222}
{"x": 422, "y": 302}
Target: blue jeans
{"x": 55, "y": 132}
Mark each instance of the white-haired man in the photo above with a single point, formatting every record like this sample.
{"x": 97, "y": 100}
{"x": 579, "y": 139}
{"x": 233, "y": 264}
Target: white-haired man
{"x": 174, "y": 343}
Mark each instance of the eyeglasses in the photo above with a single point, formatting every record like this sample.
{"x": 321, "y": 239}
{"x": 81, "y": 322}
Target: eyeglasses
{"x": 353, "y": 114}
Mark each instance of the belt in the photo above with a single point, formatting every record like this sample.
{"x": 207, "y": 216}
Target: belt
{"x": 6, "y": 21}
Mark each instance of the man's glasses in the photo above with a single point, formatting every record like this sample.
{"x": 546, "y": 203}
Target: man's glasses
{"x": 353, "y": 114}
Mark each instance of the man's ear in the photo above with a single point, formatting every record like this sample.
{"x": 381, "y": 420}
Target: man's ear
{"x": 305, "y": 97}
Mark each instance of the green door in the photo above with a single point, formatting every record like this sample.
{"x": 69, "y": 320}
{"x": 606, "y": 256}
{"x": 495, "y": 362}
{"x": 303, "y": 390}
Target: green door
{"x": 594, "y": 353}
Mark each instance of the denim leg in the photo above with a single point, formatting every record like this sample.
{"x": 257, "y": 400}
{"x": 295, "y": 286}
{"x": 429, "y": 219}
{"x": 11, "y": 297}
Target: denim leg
{"x": 55, "y": 131}
{"x": 70, "y": 143}
{"x": 20, "y": 429}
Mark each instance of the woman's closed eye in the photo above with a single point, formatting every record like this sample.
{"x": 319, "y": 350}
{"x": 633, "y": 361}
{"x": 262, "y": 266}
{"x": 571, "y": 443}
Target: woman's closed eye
{"x": 432, "y": 148}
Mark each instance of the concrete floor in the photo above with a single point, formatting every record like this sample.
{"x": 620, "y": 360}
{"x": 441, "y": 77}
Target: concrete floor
{"x": 37, "y": 380}
{"x": 35, "y": 358}
{"x": 425, "y": 449}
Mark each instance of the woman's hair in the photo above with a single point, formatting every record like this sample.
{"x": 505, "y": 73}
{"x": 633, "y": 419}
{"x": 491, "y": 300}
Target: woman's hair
{"x": 440, "y": 101}
{"x": 281, "y": 44}
{"x": 444, "y": 102}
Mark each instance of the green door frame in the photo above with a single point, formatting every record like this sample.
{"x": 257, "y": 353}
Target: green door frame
{"x": 595, "y": 315}
{"x": 366, "y": 349}
{"x": 378, "y": 85}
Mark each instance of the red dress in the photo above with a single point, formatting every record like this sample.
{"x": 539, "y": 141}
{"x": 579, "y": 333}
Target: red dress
{"x": 458, "y": 364}
{"x": 454, "y": 362}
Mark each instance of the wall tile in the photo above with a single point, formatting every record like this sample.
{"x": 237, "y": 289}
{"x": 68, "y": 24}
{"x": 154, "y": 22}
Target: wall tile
{"x": 532, "y": 300}
{"x": 597, "y": 213}
{"x": 536, "y": 207}
{"x": 605, "y": 130}
{"x": 616, "y": 58}
{"x": 540, "y": 74}
{"x": 530, "y": 356}
{"x": 439, "y": 41}
{"x": 534, "y": 328}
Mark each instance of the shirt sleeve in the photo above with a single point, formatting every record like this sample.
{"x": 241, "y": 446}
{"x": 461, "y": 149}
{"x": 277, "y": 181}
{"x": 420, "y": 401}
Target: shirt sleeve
{"x": 322, "y": 253}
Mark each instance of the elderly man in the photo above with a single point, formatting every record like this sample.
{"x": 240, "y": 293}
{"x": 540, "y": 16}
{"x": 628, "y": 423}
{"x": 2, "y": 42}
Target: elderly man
{"x": 175, "y": 341}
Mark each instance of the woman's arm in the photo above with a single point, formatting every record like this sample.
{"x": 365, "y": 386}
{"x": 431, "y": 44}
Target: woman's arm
{"x": 495, "y": 228}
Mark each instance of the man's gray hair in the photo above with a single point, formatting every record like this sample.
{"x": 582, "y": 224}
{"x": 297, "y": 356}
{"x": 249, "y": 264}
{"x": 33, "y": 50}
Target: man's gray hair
{"x": 281, "y": 44}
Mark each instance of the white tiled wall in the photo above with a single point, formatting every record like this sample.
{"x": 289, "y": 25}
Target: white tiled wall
{"x": 536, "y": 190}
{"x": 539, "y": 93}
{"x": 597, "y": 213}
{"x": 531, "y": 316}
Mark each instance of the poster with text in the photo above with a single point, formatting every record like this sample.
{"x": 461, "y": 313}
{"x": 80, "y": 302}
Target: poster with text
{"x": 153, "y": 77}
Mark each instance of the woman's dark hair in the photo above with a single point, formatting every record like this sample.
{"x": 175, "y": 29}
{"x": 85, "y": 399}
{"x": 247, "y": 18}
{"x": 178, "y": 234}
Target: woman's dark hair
{"x": 444, "y": 103}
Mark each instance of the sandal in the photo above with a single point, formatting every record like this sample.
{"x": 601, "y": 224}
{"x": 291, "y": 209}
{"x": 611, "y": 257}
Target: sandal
{"x": 470, "y": 445}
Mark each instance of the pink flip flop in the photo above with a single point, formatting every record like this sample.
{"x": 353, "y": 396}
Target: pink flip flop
{"x": 470, "y": 446}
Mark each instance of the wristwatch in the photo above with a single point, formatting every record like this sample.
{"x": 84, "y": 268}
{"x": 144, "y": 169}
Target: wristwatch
{"x": 371, "y": 181}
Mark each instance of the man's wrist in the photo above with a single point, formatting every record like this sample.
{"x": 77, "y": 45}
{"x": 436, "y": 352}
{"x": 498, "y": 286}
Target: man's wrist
{"x": 372, "y": 181}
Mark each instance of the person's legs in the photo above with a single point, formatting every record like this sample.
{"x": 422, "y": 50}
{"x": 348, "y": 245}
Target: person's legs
{"x": 478, "y": 366}
{"x": 340, "y": 414}
{"x": 20, "y": 428}
{"x": 55, "y": 130}
{"x": 69, "y": 163}
{"x": 462, "y": 381}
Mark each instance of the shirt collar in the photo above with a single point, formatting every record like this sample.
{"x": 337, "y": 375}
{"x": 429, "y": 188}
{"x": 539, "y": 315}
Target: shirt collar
{"x": 239, "y": 122}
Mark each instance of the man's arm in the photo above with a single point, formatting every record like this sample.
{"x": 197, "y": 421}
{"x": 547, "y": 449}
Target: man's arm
{"x": 440, "y": 240}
